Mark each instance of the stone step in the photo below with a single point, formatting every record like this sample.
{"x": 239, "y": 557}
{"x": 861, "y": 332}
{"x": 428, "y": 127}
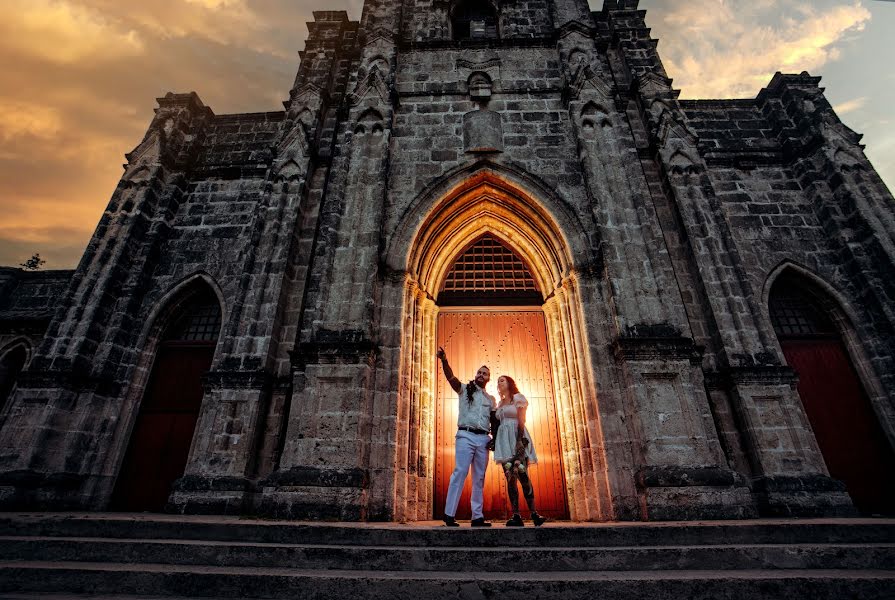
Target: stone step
{"x": 38, "y": 596}
{"x": 120, "y": 579}
{"x": 27, "y": 596}
{"x": 443, "y": 558}
{"x": 155, "y": 527}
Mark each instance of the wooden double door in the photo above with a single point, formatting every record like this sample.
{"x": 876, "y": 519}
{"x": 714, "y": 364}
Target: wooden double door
{"x": 514, "y": 343}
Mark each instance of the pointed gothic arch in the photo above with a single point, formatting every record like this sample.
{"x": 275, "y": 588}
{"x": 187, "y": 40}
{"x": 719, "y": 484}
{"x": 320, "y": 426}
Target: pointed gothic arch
{"x": 839, "y": 309}
{"x": 515, "y": 189}
{"x": 487, "y": 199}
{"x": 489, "y": 271}
{"x": 14, "y": 358}
{"x": 164, "y": 399}
{"x": 818, "y": 340}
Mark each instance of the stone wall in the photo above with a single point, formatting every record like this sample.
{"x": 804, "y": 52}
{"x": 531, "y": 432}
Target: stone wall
{"x": 28, "y": 300}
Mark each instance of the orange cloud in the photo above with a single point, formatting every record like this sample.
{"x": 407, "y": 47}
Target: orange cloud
{"x": 63, "y": 32}
{"x": 21, "y": 119}
{"x": 724, "y": 49}
{"x": 78, "y": 87}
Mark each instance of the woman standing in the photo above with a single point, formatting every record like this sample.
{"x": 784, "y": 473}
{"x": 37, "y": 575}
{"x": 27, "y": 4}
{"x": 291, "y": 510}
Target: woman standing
{"x": 514, "y": 450}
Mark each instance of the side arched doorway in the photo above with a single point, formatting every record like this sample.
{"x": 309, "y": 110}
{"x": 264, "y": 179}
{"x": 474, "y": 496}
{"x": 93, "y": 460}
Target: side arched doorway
{"x": 160, "y": 443}
{"x": 12, "y": 361}
{"x": 490, "y": 312}
{"x": 846, "y": 427}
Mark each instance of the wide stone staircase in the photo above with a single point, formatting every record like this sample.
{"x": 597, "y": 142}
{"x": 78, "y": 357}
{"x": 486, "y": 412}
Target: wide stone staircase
{"x": 98, "y": 556}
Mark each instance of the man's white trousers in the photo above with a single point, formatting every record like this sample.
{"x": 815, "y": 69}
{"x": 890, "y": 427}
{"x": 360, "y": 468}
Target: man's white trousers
{"x": 470, "y": 449}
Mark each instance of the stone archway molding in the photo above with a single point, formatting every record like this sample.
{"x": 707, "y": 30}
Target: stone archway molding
{"x": 166, "y": 308}
{"x": 845, "y": 319}
{"x": 442, "y": 221}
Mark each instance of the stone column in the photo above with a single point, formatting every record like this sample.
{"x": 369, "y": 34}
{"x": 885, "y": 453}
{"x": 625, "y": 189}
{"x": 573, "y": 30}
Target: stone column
{"x": 325, "y": 469}
{"x": 566, "y": 12}
{"x": 218, "y": 477}
{"x": 575, "y": 411}
{"x": 679, "y": 466}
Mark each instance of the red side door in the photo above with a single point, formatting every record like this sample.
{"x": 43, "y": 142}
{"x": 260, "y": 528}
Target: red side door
{"x": 846, "y": 427}
{"x": 162, "y": 436}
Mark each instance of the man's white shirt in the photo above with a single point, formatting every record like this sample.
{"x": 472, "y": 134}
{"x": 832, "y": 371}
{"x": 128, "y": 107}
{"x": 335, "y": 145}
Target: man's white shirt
{"x": 476, "y": 414}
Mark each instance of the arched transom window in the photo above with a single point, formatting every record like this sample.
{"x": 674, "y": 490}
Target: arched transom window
{"x": 488, "y": 272}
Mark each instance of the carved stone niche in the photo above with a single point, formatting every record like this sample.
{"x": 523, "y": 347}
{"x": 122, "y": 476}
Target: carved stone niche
{"x": 478, "y": 61}
{"x": 482, "y": 131}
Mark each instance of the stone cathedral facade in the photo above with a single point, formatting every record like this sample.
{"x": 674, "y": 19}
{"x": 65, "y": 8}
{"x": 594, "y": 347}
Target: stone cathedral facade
{"x": 697, "y": 295}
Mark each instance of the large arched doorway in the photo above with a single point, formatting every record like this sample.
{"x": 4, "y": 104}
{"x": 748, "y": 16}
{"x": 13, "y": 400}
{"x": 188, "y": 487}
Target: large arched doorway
{"x": 163, "y": 433}
{"x": 847, "y": 429}
{"x": 12, "y": 361}
{"x": 490, "y": 312}
{"x": 440, "y": 226}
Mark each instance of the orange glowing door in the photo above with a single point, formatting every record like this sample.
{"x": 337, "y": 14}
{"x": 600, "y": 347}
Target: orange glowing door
{"x": 514, "y": 343}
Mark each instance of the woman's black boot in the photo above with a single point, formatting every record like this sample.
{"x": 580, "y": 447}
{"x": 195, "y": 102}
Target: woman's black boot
{"x": 516, "y": 521}
{"x": 538, "y": 519}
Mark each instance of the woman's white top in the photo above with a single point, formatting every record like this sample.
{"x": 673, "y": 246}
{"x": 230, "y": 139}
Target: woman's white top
{"x": 505, "y": 441}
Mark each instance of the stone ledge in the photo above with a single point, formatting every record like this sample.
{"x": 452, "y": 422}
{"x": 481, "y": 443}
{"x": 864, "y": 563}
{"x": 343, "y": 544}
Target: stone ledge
{"x": 194, "y": 483}
{"x": 335, "y": 347}
{"x": 695, "y": 502}
{"x": 231, "y": 502}
{"x": 32, "y": 480}
{"x": 803, "y": 496}
{"x": 319, "y": 477}
{"x": 803, "y": 483}
{"x": 762, "y": 375}
{"x": 669, "y": 476}
{"x": 30, "y": 490}
{"x": 66, "y": 380}
{"x": 657, "y": 348}
{"x": 243, "y": 380}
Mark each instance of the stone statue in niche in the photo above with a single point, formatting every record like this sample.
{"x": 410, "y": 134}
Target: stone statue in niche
{"x": 480, "y": 86}
{"x": 482, "y": 128}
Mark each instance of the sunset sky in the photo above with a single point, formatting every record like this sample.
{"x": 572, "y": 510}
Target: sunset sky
{"x": 80, "y": 78}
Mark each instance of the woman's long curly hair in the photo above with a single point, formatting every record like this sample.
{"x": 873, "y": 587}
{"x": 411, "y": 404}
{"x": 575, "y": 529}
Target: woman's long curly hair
{"x": 470, "y": 390}
{"x": 512, "y": 389}
{"x": 470, "y": 387}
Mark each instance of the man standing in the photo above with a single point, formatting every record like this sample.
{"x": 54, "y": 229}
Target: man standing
{"x": 472, "y": 442}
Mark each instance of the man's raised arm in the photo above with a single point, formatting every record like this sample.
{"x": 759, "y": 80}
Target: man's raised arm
{"x": 448, "y": 373}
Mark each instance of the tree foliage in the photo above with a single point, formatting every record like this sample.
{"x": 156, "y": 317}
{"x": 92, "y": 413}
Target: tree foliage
{"x": 34, "y": 263}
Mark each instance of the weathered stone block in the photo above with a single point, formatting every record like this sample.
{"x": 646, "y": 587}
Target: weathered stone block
{"x": 482, "y": 131}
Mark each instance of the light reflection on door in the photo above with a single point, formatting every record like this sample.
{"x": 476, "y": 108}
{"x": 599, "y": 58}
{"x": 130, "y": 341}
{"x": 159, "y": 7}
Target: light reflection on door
{"x": 511, "y": 342}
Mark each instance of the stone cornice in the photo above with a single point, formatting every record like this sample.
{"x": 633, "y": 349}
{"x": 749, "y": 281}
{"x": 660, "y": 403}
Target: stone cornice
{"x": 657, "y": 348}
{"x": 241, "y": 380}
{"x": 761, "y": 375}
{"x": 335, "y": 347}
{"x": 67, "y": 380}
{"x": 318, "y": 477}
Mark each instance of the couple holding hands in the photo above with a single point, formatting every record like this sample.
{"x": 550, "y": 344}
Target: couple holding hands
{"x": 480, "y": 417}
